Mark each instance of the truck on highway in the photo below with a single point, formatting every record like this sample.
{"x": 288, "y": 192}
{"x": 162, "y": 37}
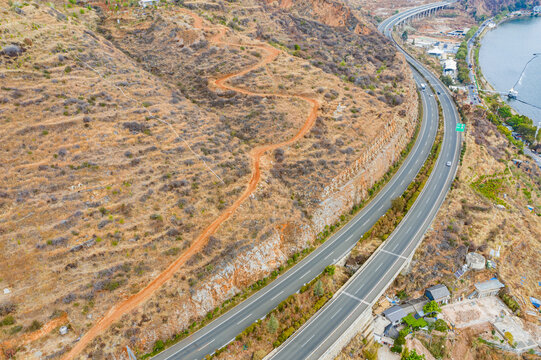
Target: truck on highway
{"x": 423, "y": 86}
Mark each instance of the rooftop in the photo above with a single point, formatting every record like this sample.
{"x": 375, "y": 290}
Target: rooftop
{"x": 489, "y": 285}
{"x": 394, "y": 313}
{"x": 435, "y": 51}
{"x": 439, "y": 291}
{"x": 449, "y": 65}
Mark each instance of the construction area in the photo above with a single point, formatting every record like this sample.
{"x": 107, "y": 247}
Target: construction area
{"x": 491, "y": 309}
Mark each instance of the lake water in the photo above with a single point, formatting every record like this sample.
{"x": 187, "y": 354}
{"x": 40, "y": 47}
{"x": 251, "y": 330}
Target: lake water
{"x": 504, "y": 52}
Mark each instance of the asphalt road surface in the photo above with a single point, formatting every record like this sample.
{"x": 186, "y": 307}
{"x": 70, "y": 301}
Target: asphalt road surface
{"x": 326, "y": 327}
{"x": 473, "y": 93}
{"x": 225, "y": 328}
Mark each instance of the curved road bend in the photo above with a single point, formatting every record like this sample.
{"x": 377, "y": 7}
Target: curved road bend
{"x": 225, "y": 328}
{"x": 368, "y": 284}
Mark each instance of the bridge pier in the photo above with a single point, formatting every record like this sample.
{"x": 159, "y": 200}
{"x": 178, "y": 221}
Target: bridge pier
{"x": 421, "y": 14}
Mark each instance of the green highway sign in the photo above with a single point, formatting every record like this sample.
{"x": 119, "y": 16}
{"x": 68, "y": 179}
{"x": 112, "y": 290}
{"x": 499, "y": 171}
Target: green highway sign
{"x": 460, "y": 127}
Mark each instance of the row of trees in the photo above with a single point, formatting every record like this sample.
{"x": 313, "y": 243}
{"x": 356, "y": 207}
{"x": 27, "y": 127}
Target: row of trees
{"x": 521, "y": 124}
{"x": 461, "y": 55}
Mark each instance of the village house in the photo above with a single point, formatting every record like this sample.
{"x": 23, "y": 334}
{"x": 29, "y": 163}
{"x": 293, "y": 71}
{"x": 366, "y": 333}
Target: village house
{"x": 487, "y": 288}
{"x": 394, "y": 314}
{"x": 438, "y": 293}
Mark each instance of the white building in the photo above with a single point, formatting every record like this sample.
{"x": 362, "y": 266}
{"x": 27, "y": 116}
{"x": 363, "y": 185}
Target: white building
{"x": 449, "y": 68}
{"x": 437, "y": 52}
{"x": 146, "y": 3}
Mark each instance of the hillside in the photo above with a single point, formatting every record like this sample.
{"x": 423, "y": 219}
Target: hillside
{"x": 199, "y": 145}
{"x": 478, "y": 8}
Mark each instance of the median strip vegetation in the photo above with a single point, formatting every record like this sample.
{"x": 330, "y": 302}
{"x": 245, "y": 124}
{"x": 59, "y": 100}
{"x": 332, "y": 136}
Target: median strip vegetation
{"x": 295, "y": 258}
{"x": 258, "y": 339}
{"x": 383, "y": 228}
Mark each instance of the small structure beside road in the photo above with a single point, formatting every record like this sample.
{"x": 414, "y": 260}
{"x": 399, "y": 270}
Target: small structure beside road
{"x": 437, "y": 52}
{"x": 449, "y": 68}
{"x": 63, "y": 330}
{"x": 438, "y": 293}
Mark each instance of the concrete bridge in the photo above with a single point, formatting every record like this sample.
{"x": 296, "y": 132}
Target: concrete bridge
{"x": 421, "y": 12}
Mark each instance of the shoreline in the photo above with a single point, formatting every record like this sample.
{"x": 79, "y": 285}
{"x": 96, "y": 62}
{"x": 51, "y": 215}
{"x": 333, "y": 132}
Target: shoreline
{"x": 481, "y": 79}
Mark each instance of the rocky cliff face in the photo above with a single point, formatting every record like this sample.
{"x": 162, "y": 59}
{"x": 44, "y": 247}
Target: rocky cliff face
{"x": 328, "y": 12}
{"x": 348, "y": 188}
{"x": 121, "y": 150}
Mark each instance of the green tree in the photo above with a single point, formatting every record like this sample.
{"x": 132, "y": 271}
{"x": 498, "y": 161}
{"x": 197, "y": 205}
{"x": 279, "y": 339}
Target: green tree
{"x": 509, "y": 338}
{"x": 447, "y": 80}
{"x": 470, "y": 33}
{"x": 405, "y": 36}
{"x": 463, "y": 75}
{"x": 412, "y": 355}
{"x": 273, "y": 324}
{"x": 505, "y": 112}
{"x": 441, "y": 325}
{"x": 398, "y": 204}
{"x": 329, "y": 270}
{"x": 431, "y": 307}
{"x": 318, "y": 289}
{"x": 396, "y": 348}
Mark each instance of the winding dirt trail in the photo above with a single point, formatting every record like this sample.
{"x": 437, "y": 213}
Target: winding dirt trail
{"x": 256, "y": 153}
{"x": 35, "y": 335}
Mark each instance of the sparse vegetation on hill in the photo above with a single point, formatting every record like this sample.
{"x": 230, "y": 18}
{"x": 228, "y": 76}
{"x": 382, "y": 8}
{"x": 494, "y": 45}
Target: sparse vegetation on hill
{"x": 120, "y": 150}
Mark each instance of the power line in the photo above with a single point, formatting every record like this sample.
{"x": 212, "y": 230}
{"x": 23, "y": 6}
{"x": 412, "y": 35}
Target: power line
{"x": 524, "y": 69}
{"x": 527, "y": 103}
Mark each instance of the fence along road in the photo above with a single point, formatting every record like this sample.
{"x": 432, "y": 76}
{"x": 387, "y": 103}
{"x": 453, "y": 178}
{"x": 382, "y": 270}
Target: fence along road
{"x": 225, "y": 328}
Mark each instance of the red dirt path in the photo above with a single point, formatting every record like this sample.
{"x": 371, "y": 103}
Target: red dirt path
{"x": 257, "y": 153}
{"x": 28, "y": 338}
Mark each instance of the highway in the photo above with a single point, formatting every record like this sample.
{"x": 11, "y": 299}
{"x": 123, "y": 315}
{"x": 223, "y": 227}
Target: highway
{"x": 310, "y": 341}
{"x": 368, "y": 284}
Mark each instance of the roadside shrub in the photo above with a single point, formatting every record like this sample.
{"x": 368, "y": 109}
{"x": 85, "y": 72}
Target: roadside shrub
{"x": 318, "y": 289}
{"x": 158, "y": 346}
{"x": 15, "y": 329}
{"x": 329, "y": 270}
{"x": 36, "y": 325}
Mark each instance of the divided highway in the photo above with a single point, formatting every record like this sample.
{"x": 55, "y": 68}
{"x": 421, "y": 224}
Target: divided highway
{"x": 314, "y": 338}
{"x": 323, "y": 330}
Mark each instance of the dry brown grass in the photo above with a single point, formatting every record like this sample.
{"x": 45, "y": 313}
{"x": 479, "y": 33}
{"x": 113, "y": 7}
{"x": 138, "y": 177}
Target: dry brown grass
{"x": 121, "y": 146}
{"x": 260, "y": 339}
{"x": 469, "y": 221}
